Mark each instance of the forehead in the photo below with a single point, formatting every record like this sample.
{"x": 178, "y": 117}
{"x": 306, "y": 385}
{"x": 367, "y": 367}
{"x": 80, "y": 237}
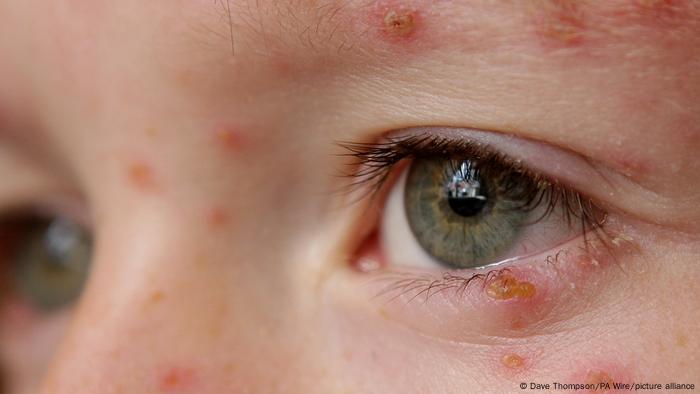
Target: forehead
{"x": 390, "y": 25}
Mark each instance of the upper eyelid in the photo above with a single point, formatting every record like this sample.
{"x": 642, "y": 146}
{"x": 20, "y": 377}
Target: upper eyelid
{"x": 612, "y": 190}
{"x": 510, "y": 149}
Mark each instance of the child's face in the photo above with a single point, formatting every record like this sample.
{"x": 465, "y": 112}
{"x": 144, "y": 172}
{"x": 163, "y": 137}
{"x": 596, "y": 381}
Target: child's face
{"x": 187, "y": 154}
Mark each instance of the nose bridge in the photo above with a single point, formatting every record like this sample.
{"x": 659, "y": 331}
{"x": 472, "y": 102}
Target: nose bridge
{"x": 154, "y": 306}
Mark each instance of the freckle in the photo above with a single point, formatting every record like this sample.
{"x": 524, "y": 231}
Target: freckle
{"x": 177, "y": 378}
{"x": 505, "y": 287}
{"x": 399, "y": 23}
{"x": 513, "y": 361}
{"x": 597, "y": 377}
{"x": 141, "y": 176}
{"x": 152, "y": 132}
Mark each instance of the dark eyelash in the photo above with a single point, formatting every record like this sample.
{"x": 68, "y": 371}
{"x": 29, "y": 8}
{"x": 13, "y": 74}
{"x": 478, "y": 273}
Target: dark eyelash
{"x": 373, "y": 163}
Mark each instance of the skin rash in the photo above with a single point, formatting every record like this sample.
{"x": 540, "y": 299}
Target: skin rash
{"x": 221, "y": 260}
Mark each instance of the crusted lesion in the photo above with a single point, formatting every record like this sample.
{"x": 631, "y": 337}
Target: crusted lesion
{"x": 506, "y": 286}
{"x": 399, "y": 22}
{"x": 512, "y": 361}
{"x": 599, "y": 379}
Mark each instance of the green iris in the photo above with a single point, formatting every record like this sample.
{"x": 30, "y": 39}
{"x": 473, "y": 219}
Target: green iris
{"x": 52, "y": 263}
{"x": 461, "y": 214}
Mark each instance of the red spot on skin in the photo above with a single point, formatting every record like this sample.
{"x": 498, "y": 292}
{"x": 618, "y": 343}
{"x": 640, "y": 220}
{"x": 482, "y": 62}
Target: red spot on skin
{"x": 560, "y": 24}
{"x": 230, "y": 140}
{"x": 218, "y": 217}
{"x": 283, "y": 66}
{"x": 141, "y": 176}
{"x": 177, "y": 379}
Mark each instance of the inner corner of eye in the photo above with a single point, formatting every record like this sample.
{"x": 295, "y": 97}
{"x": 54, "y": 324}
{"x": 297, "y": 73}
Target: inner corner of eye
{"x": 469, "y": 214}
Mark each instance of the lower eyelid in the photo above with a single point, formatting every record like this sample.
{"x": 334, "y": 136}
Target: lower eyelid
{"x": 514, "y": 301}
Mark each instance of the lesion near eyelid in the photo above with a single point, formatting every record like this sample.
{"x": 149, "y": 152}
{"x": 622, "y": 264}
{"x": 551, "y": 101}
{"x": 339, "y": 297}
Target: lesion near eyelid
{"x": 528, "y": 297}
{"x": 560, "y": 270}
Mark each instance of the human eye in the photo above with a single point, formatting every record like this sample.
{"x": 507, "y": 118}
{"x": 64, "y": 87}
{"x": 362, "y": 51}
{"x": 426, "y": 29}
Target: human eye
{"x": 45, "y": 261}
{"x": 460, "y": 221}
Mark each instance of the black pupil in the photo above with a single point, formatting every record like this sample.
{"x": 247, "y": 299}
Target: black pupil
{"x": 466, "y": 206}
{"x": 465, "y": 190}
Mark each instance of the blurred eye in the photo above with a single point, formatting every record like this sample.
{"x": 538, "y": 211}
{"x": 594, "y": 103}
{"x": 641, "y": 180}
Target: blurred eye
{"x": 46, "y": 261}
{"x": 465, "y": 205}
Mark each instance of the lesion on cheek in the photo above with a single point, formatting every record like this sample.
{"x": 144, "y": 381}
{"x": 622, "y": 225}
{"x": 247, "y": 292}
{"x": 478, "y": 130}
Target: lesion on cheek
{"x": 141, "y": 176}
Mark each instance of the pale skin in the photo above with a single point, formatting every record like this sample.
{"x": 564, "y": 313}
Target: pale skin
{"x": 197, "y": 141}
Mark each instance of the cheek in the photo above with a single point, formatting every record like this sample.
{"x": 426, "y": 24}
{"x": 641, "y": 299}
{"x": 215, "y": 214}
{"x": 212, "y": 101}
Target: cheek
{"x": 376, "y": 348}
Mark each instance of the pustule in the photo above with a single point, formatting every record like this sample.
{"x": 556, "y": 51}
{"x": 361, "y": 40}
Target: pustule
{"x": 396, "y": 23}
{"x": 513, "y": 361}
